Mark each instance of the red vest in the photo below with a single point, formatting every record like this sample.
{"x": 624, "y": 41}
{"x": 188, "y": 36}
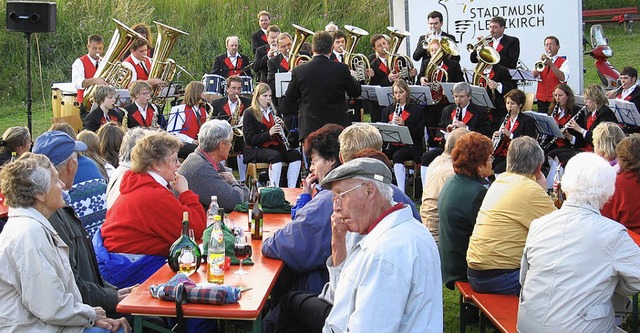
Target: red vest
{"x": 140, "y": 72}
{"x": 560, "y": 142}
{"x": 89, "y": 72}
{"x": 269, "y": 122}
{"x": 148, "y": 121}
{"x": 234, "y": 70}
{"x": 191, "y": 125}
{"x": 549, "y": 82}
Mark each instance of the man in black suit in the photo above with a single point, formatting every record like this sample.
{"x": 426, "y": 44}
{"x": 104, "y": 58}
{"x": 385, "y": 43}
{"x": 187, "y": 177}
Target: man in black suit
{"x": 232, "y": 62}
{"x": 628, "y": 89}
{"x": 259, "y": 37}
{"x": 266, "y": 52}
{"x": 434, "y": 22}
{"x": 497, "y": 81}
{"x": 507, "y": 46}
{"x": 320, "y": 86}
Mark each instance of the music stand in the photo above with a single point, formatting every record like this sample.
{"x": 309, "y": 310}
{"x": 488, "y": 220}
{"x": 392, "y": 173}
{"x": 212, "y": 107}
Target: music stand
{"x": 545, "y": 124}
{"x": 579, "y": 100}
{"x": 282, "y": 83}
{"x": 480, "y": 97}
{"x": 393, "y": 133}
{"x": 123, "y": 97}
{"x": 625, "y": 111}
{"x": 447, "y": 89}
{"x": 368, "y": 92}
{"x": 421, "y": 95}
{"x": 522, "y": 75}
{"x": 384, "y": 95}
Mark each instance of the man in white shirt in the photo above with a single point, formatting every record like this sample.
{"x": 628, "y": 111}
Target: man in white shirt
{"x": 140, "y": 64}
{"x": 628, "y": 89}
{"x": 85, "y": 67}
{"x": 555, "y": 71}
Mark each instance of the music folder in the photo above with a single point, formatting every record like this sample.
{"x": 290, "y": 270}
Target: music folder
{"x": 545, "y": 124}
{"x": 625, "y": 111}
{"x": 579, "y": 100}
{"x": 368, "y": 92}
{"x": 522, "y": 75}
{"x": 479, "y": 96}
{"x": 421, "y": 95}
{"x": 282, "y": 83}
{"x": 384, "y": 95}
{"x": 393, "y": 133}
{"x": 447, "y": 89}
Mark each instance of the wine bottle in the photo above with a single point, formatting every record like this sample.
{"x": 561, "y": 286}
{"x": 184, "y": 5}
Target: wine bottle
{"x": 215, "y": 271}
{"x": 184, "y": 242}
{"x": 253, "y": 198}
{"x": 256, "y": 220}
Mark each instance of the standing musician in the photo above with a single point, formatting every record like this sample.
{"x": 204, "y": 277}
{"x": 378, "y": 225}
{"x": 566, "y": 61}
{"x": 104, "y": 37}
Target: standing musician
{"x": 231, "y": 109}
{"x": 628, "y": 89}
{"x": 552, "y": 70}
{"x": 507, "y": 46}
{"x": 279, "y": 63}
{"x": 403, "y": 113}
{"x": 266, "y": 52}
{"x": 497, "y": 81}
{"x": 106, "y": 111}
{"x": 140, "y": 64}
{"x": 339, "y": 44}
{"x": 232, "y": 62}
{"x": 85, "y": 67}
{"x": 597, "y": 112}
{"x": 259, "y": 37}
{"x": 380, "y": 73}
{"x": 141, "y": 113}
{"x": 186, "y": 119}
{"x": 515, "y": 125}
{"x": 434, "y": 22}
{"x": 265, "y": 139}
{"x": 461, "y": 114}
{"x": 331, "y": 27}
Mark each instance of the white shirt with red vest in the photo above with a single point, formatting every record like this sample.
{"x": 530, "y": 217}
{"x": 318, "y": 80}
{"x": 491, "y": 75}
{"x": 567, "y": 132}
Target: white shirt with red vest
{"x": 83, "y": 68}
{"x": 548, "y": 80}
{"x": 135, "y": 65}
{"x": 185, "y": 122}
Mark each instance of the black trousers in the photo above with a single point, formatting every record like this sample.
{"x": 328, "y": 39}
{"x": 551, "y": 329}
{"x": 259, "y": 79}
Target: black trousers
{"x": 302, "y": 312}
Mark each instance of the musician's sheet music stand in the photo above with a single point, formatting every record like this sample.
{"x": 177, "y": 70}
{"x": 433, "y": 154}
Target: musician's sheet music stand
{"x": 368, "y": 92}
{"x": 522, "y": 75}
{"x": 393, "y": 133}
{"x": 421, "y": 95}
{"x": 384, "y": 95}
{"x": 578, "y": 100}
{"x": 480, "y": 97}
{"x": 447, "y": 89}
{"x": 123, "y": 98}
{"x": 546, "y": 124}
{"x": 625, "y": 111}
{"x": 282, "y": 83}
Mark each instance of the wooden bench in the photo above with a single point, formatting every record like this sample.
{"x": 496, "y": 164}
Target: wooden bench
{"x": 624, "y": 15}
{"x": 502, "y": 310}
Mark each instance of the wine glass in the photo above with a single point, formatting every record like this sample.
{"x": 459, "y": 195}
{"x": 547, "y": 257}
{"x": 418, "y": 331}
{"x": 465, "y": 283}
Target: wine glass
{"x": 242, "y": 250}
{"x": 187, "y": 261}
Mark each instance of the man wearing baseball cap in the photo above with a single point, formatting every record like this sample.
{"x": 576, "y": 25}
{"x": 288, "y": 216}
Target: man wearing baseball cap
{"x": 62, "y": 150}
{"x": 391, "y": 278}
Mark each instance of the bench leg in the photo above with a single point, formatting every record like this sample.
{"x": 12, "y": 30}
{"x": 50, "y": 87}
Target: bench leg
{"x": 463, "y": 316}
{"x": 634, "y": 319}
{"x": 483, "y": 323}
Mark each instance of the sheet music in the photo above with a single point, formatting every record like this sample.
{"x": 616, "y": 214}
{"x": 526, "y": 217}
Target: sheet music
{"x": 479, "y": 96}
{"x": 625, "y": 111}
{"x": 368, "y": 92}
{"x": 393, "y": 133}
{"x": 384, "y": 95}
{"x": 579, "y": 100}
{"x": 522, "y": 74}
{"x": 421, "y": 95}
{"x": 545, "y": 124}
{"x": 282, "y": 83}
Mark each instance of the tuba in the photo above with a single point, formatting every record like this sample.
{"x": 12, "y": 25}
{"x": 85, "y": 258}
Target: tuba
{"x": 163, "y": 67}
{"x": 357, "y": 62}
{"x": 301, "y": 35}
{"x": 434, "y": 71}
{"x": 111, "y": 69}
{"x": 487, "y": 55}
{"x": 400, "y": 63}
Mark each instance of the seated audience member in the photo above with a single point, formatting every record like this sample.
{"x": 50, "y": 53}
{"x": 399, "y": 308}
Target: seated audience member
{"x": 146, "y": 218}
{"x": 14, "y": 140}
{"x": 439, "y": 172}
{"x": 360, "y": 136}
{"x": 105, "y": 112}
{"x": 577, "y": 265}
{"x": 128, "y": 142}
{"x": 460, "y": 202}
{"x": 37, "y": 285}
{"x": 110, "y": 136}
{"x": 86, "y": 194}
{"x": 61, "y": 151}
{"x": 186, "y": 119}
{"x": 606, "y": 137}
{"x": 369, "y": 292}
{"x": 263, "y": 142}
{"x": 93, "y": 152}
{"x": 206, "y": 174}
{"x": 624, "y": 206}
{"x": 514, "y": 199}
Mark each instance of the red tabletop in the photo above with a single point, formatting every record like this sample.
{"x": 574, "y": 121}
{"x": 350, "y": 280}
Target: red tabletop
{"x": 4, "y": 210}
{"x": 261, "y": 278}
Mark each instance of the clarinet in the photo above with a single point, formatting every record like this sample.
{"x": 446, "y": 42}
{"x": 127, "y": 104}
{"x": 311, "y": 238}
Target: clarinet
{"x": 543, "y": 139}
{"x": 500, "y": 140}
{"x": 565, "y": 127}
{"x": 281, "y": 133}
{"x": 397, "y": 111}
{"x": 458, "y": 116}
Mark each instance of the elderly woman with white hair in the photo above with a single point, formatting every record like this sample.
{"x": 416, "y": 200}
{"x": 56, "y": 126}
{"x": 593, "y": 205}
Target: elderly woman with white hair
{"x": 204, "y": 171}
{"x": 575, "y": 259}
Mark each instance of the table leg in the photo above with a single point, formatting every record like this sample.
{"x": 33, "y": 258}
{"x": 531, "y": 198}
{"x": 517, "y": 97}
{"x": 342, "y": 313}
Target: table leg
{"x": 257, "y": 325}
{"x": 137, "y": 324}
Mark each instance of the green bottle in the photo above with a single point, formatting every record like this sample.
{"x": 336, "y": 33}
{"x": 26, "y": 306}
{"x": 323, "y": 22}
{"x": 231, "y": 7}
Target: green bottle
{"x": 184, "y": 254}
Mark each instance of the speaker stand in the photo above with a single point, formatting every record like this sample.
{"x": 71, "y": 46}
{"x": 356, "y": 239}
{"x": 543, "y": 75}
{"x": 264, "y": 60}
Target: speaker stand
{"x": 27, "y": 35}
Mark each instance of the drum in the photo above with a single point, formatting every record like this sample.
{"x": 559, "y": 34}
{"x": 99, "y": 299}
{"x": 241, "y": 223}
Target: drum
{"x": 70, "y": 105}
{"x": 247, "y": 85}
{"x": 214, "y": 84}
{"x": 56, "y": 102}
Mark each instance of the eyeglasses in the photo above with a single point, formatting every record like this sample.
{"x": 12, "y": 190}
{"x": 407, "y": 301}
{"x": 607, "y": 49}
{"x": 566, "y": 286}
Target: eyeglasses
{"x": 338, "y": 197}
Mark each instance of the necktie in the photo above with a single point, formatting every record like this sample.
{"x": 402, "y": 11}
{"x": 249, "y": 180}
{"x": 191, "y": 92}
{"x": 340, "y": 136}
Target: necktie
{"x": 144, "y": 68}
{"x": 97, "y": 64}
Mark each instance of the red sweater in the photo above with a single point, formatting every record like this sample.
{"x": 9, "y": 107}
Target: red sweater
{"x": 624, "y": 206}
{"x": 147, "y": 218}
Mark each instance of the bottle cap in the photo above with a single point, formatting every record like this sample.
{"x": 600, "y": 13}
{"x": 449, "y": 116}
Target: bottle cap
{"x": 217, "y": 218}
{"x": 185, "y": 216}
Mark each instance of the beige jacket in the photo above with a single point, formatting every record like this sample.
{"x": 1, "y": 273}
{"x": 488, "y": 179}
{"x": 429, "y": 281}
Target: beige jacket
{"x": 38, "y": 292}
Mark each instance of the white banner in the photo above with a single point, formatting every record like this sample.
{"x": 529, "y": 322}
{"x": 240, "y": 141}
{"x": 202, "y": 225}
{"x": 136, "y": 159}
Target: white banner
{"x": 531, "y": 22}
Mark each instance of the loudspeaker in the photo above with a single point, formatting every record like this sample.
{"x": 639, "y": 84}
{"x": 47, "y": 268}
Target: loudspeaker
{"x": 27, "y": 16}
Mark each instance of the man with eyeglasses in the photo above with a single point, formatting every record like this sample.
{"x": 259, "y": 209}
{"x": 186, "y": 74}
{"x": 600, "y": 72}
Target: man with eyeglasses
{"x": 391, "y": 277}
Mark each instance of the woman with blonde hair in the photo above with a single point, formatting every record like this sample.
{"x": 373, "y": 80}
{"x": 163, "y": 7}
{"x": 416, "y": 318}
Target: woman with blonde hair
{"x": 596, "y": 113}
{"x": 93, "y": 152}
{"x": 606, "y": 137}
{"x": 15, "y": 139}
{"x": 263, "y": 132}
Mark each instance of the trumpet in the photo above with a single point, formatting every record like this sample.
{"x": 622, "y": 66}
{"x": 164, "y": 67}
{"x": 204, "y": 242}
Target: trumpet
{"x": 273, "y": 50}
{"x": 539, "y": 65}
{"x": 428, "y": 38}
{"x": 480, "y": 44}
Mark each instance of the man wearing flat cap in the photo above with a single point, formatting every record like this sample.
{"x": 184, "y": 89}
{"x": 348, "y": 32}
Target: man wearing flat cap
{"x": 389, "y": 281}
